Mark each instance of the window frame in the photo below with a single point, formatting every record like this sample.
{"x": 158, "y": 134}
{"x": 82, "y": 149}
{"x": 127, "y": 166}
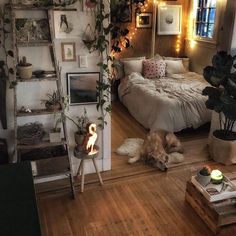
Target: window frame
{"x": 196, "y": 37}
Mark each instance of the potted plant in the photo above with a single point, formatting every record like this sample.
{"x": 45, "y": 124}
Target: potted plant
{"x": 204, "y": 176}
{"x": 222, "y": 99}
{"x": 55, "y": 132}
{"x": 53, "y": 102}
{"x": 81, "y": 124}
{"x": 24, "y": 69}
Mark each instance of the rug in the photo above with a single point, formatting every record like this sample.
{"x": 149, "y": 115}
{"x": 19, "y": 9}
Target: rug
{"x": 192, "y": 152}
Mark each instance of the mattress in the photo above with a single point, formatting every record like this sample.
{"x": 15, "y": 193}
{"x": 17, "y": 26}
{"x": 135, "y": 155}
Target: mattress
{"x": 173, "y": 103}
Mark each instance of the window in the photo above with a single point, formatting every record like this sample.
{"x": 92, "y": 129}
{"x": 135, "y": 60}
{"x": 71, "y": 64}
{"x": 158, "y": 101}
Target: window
{"x": 205, "y": 18}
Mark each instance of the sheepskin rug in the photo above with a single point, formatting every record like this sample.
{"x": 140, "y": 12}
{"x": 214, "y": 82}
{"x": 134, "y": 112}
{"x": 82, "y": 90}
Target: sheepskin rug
{"x": 131, "y": 147}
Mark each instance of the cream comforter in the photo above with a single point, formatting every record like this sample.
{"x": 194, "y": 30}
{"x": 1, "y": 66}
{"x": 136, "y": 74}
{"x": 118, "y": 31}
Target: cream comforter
{"x": 172, "y": 103}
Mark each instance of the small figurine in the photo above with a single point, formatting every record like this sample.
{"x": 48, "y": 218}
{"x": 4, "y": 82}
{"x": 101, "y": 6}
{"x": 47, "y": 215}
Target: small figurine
{"x": 90, "y": 139}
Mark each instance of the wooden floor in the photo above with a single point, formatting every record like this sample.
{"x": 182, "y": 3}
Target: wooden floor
{"x": 135, "y": 200}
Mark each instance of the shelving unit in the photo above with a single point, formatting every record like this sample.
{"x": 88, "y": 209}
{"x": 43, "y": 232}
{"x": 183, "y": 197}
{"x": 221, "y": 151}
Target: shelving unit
{"x": 46, "y": 166}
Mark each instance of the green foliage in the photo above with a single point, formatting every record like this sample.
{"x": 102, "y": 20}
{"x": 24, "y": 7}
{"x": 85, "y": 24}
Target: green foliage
{"x": 5, "y": 25}
{"x": 206, "y": 171}
{"x": 222, "y": 94}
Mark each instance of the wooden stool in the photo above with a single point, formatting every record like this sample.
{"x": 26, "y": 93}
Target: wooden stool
{"x": 82, "y": 155}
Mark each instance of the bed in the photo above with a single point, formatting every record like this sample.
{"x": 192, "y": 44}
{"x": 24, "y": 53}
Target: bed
{"x": 173, "y": 103}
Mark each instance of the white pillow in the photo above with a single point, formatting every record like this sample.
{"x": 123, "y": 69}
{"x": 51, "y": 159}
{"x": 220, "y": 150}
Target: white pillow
{"x": 174, "y": 67}
{"x": 133, "y": 66}
{"x": 119, "y": 65}
{"x": 185, "y": 61}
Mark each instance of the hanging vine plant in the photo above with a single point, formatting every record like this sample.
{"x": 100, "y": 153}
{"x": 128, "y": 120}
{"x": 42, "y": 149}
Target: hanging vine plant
{"x": 101, "y": 44}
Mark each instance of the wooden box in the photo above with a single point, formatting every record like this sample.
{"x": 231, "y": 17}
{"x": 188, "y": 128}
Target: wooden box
{"x": 216, "y": 214}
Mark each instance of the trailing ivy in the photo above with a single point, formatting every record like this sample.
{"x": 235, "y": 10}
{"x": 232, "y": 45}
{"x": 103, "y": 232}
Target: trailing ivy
{"x": 5, "y": 29}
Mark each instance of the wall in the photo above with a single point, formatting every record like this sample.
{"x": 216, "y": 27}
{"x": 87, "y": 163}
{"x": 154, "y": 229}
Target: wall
{"x": 30, "y": 94}
{"x": 201, "y": 53}
{"x": 165, "y": 44}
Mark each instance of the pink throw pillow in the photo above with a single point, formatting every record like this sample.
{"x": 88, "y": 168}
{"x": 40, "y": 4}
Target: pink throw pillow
{"x": 154, "y": 69}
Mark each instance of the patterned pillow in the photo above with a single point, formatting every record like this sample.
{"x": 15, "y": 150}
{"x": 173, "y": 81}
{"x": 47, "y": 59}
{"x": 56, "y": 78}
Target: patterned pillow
{"x": 154, "y": 69}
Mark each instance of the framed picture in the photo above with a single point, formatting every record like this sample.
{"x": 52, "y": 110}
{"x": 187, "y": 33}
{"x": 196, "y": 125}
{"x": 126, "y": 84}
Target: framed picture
{"x": 66, "y": 24}
{"x": 169, "y": 19}
{"x": 121, "y": 11}
{"x": 81, "y": 87}
{"x": 143, "y": 20}
{"x": 68, "y": 52}
{"x": 32, "y": 30}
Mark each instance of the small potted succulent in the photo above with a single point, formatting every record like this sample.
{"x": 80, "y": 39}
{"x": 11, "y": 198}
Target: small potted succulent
{"x": 53, "y": 102}
{"x": 24, "y": 69}
{"x": 204, "y": 176}
{"x": 55, "y": 132}
{"x": 81, "y": 124}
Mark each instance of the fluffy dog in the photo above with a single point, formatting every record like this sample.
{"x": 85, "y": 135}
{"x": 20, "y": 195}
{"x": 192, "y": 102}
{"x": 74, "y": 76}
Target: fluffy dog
{"x": 158, "y": 148}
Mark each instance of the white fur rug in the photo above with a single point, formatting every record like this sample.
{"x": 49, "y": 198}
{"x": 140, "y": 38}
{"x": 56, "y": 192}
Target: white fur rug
{"x": 131, "y": 147}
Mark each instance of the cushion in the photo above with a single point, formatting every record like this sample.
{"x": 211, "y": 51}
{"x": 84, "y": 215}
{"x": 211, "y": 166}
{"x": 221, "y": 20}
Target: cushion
{"x": 174, "y": 67}
{"x": 135, "y": 65}
{"x": 185, "y": 61}
{"x": 119, "y": 65}
{"x": 154, "y": 69}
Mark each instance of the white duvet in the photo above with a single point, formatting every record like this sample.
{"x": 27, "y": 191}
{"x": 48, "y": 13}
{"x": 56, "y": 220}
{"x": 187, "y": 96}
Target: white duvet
{"x": 172, "y": 103}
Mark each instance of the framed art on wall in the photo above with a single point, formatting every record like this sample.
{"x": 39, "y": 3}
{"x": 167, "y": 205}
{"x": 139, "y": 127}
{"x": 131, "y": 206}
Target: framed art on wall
{"x": 68, "y": 52}
{"x": 81, "y": 87}
{"x": 169, "y": 19}
{"x": 65, "y": 24}
{"x": 143, "y": 20}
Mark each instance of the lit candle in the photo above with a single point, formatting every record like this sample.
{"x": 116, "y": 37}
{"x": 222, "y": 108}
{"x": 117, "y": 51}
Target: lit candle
{"x": 216, "y": 176}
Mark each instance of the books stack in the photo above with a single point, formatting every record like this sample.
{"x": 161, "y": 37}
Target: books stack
{"x": 216, "y": 192}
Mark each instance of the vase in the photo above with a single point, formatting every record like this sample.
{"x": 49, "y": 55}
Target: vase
{"x": 79, "y": 139}
{"x": 222, "y": 151}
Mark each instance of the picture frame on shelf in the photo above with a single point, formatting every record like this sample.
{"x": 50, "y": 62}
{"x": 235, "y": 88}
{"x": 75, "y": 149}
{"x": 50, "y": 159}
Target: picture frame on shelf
{"x": 169, "y": 19}
{"x": 68, "y": 52}
{"x": 143, "y": 20}
{"x": 82, "y": 87}
{"x": 65, "y": 24}
{"x": 121, "y": 11}
{"x": 30, "y": 30}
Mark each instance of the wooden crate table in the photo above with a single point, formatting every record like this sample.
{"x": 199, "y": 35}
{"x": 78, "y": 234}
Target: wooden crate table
{"x": 215, "y": 215}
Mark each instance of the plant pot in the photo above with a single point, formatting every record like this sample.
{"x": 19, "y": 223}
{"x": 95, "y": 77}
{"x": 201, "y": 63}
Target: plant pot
{"x": 222, "y": 151}
{"x": 53, "y": 106}
{"x": 25, "y": 72}
{"x": 55, "y": 136}
{"x": 203, "y": 179}
{"x": 79, "y": 139}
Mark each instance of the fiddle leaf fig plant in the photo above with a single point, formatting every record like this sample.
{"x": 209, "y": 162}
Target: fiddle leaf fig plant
{"x": 222, "y": 93}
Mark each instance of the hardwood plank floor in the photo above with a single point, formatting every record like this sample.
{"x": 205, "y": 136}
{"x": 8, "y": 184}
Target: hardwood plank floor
{"x": 135, "y": 200}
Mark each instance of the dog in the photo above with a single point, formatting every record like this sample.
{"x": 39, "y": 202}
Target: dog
{"x": 158, "y": 148}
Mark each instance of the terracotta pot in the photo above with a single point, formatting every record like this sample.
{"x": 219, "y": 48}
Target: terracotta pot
{"x": 25, "y": 72}
{"x": 79, "y": 139}
{"x": 222, "y": 151}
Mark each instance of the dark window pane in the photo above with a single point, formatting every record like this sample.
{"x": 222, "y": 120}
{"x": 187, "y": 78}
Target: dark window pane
{"x": 205, "y": 13}
{"x": 199, "y": 15}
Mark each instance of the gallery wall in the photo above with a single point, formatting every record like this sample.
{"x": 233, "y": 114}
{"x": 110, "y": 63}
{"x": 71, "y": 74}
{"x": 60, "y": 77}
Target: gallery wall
{"x": 165, "y": 44}
{"x": 30, "y": 94}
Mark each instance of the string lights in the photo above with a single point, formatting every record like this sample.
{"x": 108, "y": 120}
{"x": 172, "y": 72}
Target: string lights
{"x": 133, "y": 31}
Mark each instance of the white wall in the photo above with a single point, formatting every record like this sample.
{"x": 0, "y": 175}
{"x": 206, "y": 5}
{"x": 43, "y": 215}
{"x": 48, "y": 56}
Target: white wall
{"x": 30, "y": 94}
